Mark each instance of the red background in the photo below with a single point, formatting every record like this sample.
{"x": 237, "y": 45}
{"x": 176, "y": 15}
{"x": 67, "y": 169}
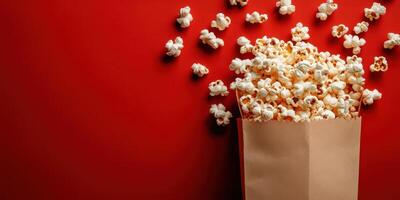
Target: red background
{"x": 91, "y": 109}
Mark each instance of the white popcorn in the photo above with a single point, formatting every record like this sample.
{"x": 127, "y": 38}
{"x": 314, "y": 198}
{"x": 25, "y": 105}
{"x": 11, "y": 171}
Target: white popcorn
{"x": 339, "y": 30}
{"x": 353, "y": 42}
{"x": 285, "y": 7}
{"x": 393, "y": 40}
{"x": 245, "y": 45}
{"x": 380, "y": 64}
{"x": 221, "y": 22}
{"x": 326, "y": 9}
{"x": 256, "y": 17}
{"x": 375, "y": 11}
{"x": 185, "y": 17}
{"x": 327, "y": 114}
{"x": 361, "y": 27}
{"x": 368, "y": 96}
{"x": 209, "y": 38}
{"x": 199, "y": 69}
{"x": 239, "y": 66}
{"x": 238, "y": 2}
{"x": 174, "y": 47}
{"x": 218, "y": 88}
{"x": 220, "y": 114}
{"x": 300, "y": 32}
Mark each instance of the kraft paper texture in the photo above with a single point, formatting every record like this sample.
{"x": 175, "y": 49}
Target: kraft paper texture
{"x": 316, "y": 160}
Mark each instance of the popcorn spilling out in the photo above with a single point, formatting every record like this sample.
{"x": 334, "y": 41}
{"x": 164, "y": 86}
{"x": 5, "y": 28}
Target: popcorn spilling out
{"x": 218, "y": 88}
{"x": 221, "y": 22}
{"x": 339, "y": 30}
{"x": 375, "y": 11}
{"x": 326, "y": 9}
{"x": 353, "y": 42}
{"x": 369, "y": 96}
{"x": 380, "y": 64}
{"x": 256, "y": 17}
{"x": 361, "y": 27}
{"x": 300, "y": 32}
{"x": 221, "y": 116}
{"x": 245, "y": 45}
{"x": 285, "y": 7}
{"x": 199, "y": 69}
{"x": 185, "y": 17}
{"x": 296, "y": 82}
{"x": 238, "y": 2}
{"x": 393, "y": 40}
{"x": 174, "y": 47}
{"x": 209, "y": 38}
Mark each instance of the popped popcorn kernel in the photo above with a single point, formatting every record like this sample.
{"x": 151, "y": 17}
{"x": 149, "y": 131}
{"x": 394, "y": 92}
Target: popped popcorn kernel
{"x": 300, "y": 32}
{"x": 238, "y": 2}
{"x": 218, "y": 88}
{"x": 353, "y": 42}
{"x": 326, "y": 9}
{"x": 174, "y": 47}
{"x": 199, "y": 69}
{"x": 285, "y": 7}
{"x": 221, "y": 115}
{"x": 339, "y": 30}
{"x": 380, "y": 64}
{"x": 368, "y": 96}
{"x": 256, "y": 17}
{"x": 185, "y": 18}
{"x": 393, "y": 40}
{"x": 375, "y": 11}
{"x": 209, "y": 38}
{"x": 361, "y": 27}
{"x": 221, "y": 22}
{"x": 245, "y": 45}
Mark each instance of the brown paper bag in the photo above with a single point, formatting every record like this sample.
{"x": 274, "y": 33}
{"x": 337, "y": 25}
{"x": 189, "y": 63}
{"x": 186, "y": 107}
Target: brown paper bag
{"x": 315, "y": 160}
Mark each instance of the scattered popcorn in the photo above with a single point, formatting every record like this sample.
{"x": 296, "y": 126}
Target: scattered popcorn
{"x": 185, "y": 17}
{"x": 339, "y": 30}
{"x": 218, "y": 88}
{"x": 245, "y": 45}
{"x": 375, "y": 11}
{"x": 199, "y": 69}
{"x": 221, "y": 22}
{"x": 353, "y": 42}
{"x": 361, "y": 27}
{"x": 220, "y": 114}
{"x": 238, "y": 2}
{"x": 368, "y": 96}
{"x": 256, "y": 17}
{"x": 300, "y": 32}
{"x": 393, "y": 40}
{"x": 239, "y": 66}
{"x": 326, "y": 9}
{"x": 380, "y": 64}
{"x": 209, "y": 38}
{"x": 285, "y": 7}
{"x": 174, "y": 47}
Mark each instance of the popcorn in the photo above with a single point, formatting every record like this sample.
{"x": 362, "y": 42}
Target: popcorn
{"x": 245, "y": 45}
{"x": 393, "y": 40}
{"x": 256, "y": 17}
{"x": 361, "y": 27}
{"x": 353, "y": 42}
{"x": 220, "y": 114}
{"x": 221, "y": 22}
{"x": 375, "y": 11}
{"x": 240, "y": 2}
{"x": 174, "y": 47}
{"x": 380, "y": 64}
{"x": 209, "y": 38}
{"x": 239, "y": 66}
{"x": 199, "y": 69}
{"x": 285, "y": 7}
{"x": 339, "y": 30}
{"x": 185, "y": 17}
{"x": 218, "y": 88}
{"x": 326, "y": 9}
{"x": 368, "y": 96}
{"x": 300, "y": 32}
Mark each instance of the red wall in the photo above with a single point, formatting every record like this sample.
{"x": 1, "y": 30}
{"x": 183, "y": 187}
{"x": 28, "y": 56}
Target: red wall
{"x": 90, "y": 108}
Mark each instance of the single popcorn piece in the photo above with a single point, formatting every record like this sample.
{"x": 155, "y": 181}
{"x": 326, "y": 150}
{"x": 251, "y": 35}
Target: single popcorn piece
{"x": 221, "y": 22}
{"x": 209, "y": 38}
{"x": 221, "y": 115}
{"x": 326, "y": 9}
{"x": 339, "y": 30}
{"x": 375, "y": 11}
{"x": 245, "y": 45}
{"x": 218, "y": 88}
{"x": 256, "y": 17}
{"x": 361, "y": 27}
{"x": 185, "y": 17}
{"x": 285, "y": 7}
{"x": 174, "y": 47}
{"x": 239, "y": 66}
{"x": 300, "y": 32}
{"x": 353, "y": 42}
{"x": 199, "y": 69}
{"x": 380, "y": 64}
{"x": 238, "y": 2}
{"x": 368, "y": 96}
{"x": 393, "y": 40}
